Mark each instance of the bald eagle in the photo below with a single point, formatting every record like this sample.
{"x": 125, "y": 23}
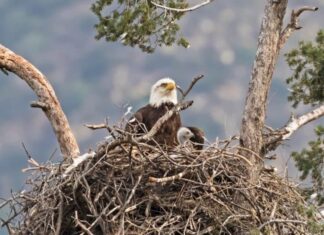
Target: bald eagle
{"x": 192, "y": 134}
{"x": 163, "y": 97}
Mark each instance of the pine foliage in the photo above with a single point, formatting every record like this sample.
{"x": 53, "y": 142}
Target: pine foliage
{"x": 307, "y": 84}
{"x": 307, "y": 81}
{"x": 139, "y": 23}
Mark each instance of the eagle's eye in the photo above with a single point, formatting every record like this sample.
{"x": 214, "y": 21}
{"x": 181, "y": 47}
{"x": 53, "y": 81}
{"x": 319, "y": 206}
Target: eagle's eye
{"x": 164, "y": 84}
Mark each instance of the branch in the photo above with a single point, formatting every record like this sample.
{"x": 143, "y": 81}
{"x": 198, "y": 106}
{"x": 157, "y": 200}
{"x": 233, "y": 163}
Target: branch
{"x": 195, "y": 7}
{"x": 296, "y": 123}
{"x": 168, "y": 178}
{"x": 38, "y": 104}
{"x": 193, "y": 82}
{"x": 277, "y": 136}
{"x": 293, "y": 24}
{"x": 81, "y": 225}
{"x": 281, "y": 221}
{"x": 96, "y": 126}
{"x": 179, "y": 107}
{"x": 47, "y": 100}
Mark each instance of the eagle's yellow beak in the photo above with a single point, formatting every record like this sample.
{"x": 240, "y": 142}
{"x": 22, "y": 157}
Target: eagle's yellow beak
{"x": 170, "y": 86}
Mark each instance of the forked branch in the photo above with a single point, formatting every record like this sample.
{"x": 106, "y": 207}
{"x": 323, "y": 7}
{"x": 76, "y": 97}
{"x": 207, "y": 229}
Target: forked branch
{"x": 293, "y": 24}
{"x": 47, "y": 100}
{"x": 276, "y": 137}
{"x": 179, "y": 107}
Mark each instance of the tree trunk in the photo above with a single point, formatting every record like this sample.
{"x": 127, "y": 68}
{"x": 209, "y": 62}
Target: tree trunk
{"x": 48, "y": 101}
{"x": 266, "y": 57}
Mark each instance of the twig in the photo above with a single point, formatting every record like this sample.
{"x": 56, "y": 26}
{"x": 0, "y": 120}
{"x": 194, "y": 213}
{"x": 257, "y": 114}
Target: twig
{"x": 81, "y": 225}
{"x": 169, "y": 178}
{"x": 96, "y": 126}
{"x": 38, "y": 104}
{"x": 182, "y": 9}
{"x": 26, "y": 151}
{"x": 281, "y": 221}
{"x": 179, "y": 107}
{"x": 60, "y": 216}
{"x": 193, "y": 82}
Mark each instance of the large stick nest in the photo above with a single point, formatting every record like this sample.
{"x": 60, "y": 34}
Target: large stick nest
{"x": 132, "y": 188}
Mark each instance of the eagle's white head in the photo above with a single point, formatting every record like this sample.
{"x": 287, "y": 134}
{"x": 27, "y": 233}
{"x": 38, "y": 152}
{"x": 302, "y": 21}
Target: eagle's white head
{"x": 184, "y": 134}
{"x": 163, "y": 91}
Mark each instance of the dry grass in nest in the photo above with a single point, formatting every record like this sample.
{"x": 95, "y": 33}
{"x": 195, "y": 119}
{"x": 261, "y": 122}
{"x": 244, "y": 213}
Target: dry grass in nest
{"x": 151, "y": 191}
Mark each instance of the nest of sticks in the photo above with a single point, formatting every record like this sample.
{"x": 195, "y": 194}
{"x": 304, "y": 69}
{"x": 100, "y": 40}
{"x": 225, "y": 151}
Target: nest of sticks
{"x": 129, "y": 187}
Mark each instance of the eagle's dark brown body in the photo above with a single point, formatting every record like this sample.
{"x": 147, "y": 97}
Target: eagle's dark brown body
{"x": 145, "y": 118}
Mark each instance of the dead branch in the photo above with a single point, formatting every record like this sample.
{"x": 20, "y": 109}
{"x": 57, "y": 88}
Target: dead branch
{"x": 296, "y": 123}
{"x": 179, "y": 107}
{"x": 274, "y": 138}
{"x": 96, "y": 126}
{"x": 81, "y": 225}
{"x": 48, "y": 101}
{"x": 193, "y": 82}
{"x": 293, "y": 25}
{"x": 166, "y": 179}
{"x": 281, "y": 221}
{"x": 195, "y": 7}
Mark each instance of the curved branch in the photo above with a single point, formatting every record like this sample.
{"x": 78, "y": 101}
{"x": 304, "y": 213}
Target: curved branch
{"x": 293, "y": 24}
{"x": 277, "y": 136}
{"x": 47, "y": 99}
{"x": 157, "y": 126}
{"x": 296, "y": 123}
{"x": 195, "y": 7}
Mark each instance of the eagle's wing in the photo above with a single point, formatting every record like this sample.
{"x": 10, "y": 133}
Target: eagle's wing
{"x": 136, "y": 123}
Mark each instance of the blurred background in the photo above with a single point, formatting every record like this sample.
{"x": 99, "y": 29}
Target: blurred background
{"x": 95, "y": 79}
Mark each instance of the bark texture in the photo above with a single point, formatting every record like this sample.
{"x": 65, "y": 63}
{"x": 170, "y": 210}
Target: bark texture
{"x": 266, "y": 57}
{"x": 47, "y": 99}
{"x": 276, "y": 137}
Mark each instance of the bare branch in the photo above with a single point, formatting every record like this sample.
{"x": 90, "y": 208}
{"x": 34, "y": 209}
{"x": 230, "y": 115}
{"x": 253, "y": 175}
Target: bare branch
{"x": 281, "y": 221}
{"x": 81, "y": 225}
{"x": 168, "y": 178}
{"x": 48, "y": 101}
{"x": 195, "y": 7}
{"x": 96, "y": 126}
{"x": 293, "y": 24}
{"x": 273, "y": 140}
{"x": 296, "y": 123}
{"x": 179, "y": 107}
{"x": 193, "y": 82}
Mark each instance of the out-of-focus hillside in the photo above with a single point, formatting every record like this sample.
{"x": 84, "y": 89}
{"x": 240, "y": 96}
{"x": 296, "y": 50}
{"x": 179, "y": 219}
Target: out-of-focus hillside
{"x": 95, "y": 79}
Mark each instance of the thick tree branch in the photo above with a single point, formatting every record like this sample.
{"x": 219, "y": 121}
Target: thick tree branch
{"x": 275, "y": 138}
{"x": 293, "y": 24}
{"x": 47, "y": 99}
{"x": 263, "y": 67}
{"x": 195, "y": 7}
